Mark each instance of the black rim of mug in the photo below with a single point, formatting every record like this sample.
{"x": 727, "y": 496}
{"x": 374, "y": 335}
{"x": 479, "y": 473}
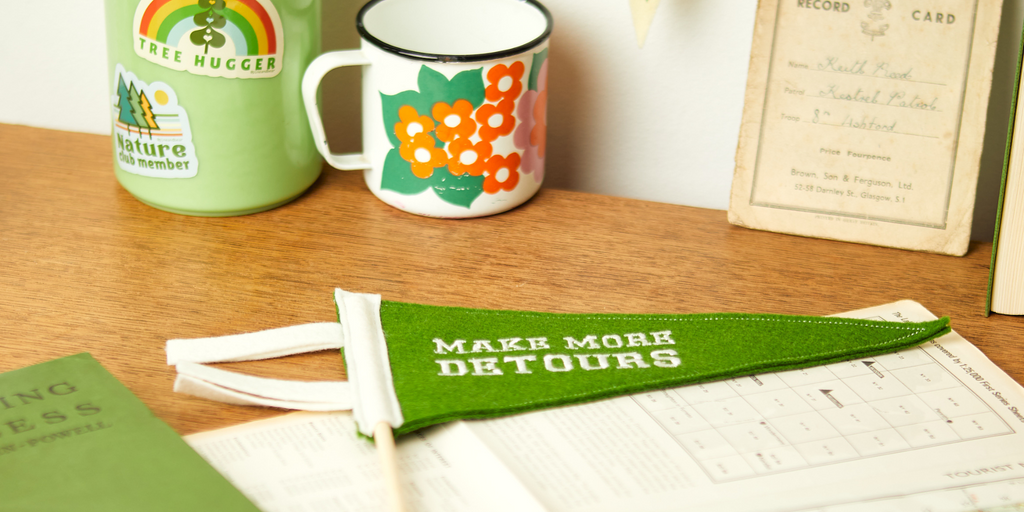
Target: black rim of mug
{"x": 436, "y": 57}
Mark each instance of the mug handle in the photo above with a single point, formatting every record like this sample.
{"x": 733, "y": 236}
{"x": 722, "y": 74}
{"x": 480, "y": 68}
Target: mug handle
{"x": 310, "y": 84}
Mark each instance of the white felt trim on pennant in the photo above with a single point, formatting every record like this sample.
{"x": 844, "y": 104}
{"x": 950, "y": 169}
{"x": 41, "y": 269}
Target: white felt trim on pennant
{"x": 366, "y": 359}
{"x": 296, "y": 339}
{"x": 200, "y": 388}
{"x": 336, "y": 392}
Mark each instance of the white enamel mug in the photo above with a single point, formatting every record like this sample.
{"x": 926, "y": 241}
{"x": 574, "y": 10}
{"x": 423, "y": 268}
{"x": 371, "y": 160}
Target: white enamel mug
{"x": 454, "y": 103}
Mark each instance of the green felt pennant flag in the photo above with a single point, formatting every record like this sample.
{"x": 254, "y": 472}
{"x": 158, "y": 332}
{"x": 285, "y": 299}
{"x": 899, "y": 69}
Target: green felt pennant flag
{"x": 416, "y": 365}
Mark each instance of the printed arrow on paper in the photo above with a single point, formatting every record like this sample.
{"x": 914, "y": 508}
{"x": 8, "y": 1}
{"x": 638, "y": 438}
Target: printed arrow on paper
{"x": 828, "y": 394}
{"x": 871, "y": 366}
{"x": 643, "y": 15}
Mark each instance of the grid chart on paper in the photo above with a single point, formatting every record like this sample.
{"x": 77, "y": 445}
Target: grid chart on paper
{"x": 762, "y": 424}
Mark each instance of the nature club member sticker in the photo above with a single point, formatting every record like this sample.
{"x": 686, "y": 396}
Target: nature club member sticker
{"x": 151, "y": 131}
{"x": 225, "y": 38}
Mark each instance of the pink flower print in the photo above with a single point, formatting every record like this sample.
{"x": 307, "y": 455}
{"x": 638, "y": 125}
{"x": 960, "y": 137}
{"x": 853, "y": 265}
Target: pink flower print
{"x": 532, "y": 161}
{"x": 531, "y": 133}
{"x": 542, "y": 77}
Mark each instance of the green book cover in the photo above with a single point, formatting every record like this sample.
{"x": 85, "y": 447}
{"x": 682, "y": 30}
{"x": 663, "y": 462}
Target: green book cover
{"x": 73, "y": 438}
{"x": 1002, "y": 185}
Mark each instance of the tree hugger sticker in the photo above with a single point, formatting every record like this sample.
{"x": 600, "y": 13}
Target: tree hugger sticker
{"x": 152, "y": 136}
{"x": 222, "y": 38}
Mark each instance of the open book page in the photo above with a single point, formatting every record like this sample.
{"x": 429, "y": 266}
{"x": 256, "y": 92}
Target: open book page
{"x": 1002, "y": 496}
{"x": 312, "y": 462}
{"x": 939, "y": 416}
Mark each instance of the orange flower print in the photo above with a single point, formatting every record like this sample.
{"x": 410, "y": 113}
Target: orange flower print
{"x": 539, "y": 133}
{"x": 411, "y": 124}
{"x": 454, "y": 120}
{"x": 502, "y": 173}
{"x": 424, "y": 155}
{"x": 467, "y": 157}
{"x": 506, "y": 82}
{"x": 496, "y": 120}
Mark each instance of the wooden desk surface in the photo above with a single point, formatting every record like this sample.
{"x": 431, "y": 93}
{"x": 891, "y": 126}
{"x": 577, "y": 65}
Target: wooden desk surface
{"x": 86, "y": 267}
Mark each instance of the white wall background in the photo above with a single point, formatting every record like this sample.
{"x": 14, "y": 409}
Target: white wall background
{"x": 658, "y": 123}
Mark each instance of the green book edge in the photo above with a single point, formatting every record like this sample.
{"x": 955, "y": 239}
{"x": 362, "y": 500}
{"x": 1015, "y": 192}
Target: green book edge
{"x": 1002, "y": 183}
{"x": 74, "y": 438}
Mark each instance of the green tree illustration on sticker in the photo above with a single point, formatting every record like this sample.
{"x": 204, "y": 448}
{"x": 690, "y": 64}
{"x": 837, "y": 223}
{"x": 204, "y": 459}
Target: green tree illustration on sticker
{"x": 207, "y": 20}
{"x": 434, "y": 88}
{"x": 136, "y": 108}
{"x": 124, "y": 104}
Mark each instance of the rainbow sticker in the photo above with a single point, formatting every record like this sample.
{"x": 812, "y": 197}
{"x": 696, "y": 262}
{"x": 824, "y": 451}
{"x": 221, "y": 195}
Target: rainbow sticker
{"x": 223, "y": 38}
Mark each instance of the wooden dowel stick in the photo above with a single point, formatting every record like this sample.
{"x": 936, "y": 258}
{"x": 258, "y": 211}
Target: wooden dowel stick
{"x": 386, "y": 453}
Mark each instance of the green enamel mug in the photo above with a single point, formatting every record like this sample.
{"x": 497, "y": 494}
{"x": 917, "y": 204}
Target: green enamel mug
{"x": 205, "y": 101}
